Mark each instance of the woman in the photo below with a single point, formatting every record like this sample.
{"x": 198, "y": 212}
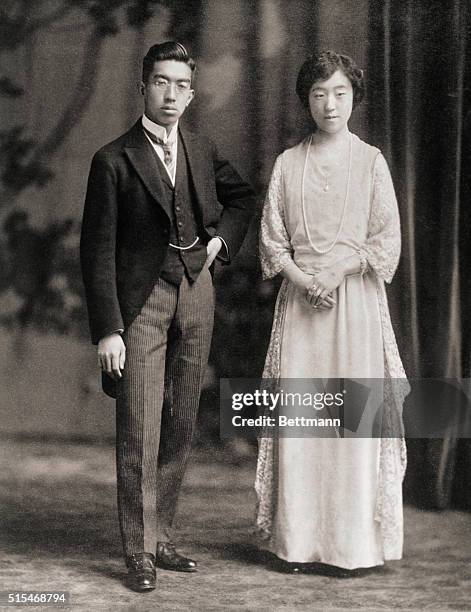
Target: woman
{"x": 330, "y": 227}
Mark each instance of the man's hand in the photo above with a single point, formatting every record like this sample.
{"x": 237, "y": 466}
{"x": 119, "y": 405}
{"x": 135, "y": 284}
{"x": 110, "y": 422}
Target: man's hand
{"x": 213, "y": 248}
{"x": 112, "y": 355}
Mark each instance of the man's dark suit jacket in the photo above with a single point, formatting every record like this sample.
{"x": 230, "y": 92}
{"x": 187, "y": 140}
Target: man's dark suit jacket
{"x": 126, "y": 221}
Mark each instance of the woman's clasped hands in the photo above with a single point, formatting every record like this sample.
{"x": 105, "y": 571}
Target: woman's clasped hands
{"x": 319, "y": 292}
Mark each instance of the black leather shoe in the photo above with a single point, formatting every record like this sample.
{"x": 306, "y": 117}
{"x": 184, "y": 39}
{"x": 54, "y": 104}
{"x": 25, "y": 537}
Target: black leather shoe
{"x": 141, "y": 572}
{"x": 167, "y": 558}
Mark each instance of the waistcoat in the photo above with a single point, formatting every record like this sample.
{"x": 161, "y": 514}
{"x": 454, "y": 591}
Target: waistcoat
{"x": 185, "y": 223}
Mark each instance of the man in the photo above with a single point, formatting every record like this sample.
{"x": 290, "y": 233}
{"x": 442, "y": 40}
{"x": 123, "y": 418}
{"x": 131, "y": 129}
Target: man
{"x": 161, "y": 205}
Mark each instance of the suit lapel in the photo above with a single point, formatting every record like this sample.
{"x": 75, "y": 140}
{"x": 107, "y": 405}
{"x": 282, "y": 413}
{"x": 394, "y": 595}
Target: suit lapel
{"x": 142, "y": 157}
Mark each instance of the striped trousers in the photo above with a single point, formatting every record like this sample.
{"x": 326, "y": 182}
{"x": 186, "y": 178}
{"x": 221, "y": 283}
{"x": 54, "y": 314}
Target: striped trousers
{"x": 167, "y": 348}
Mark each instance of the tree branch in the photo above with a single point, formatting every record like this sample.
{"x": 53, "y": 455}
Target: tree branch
{"x": 17, "y": 22}
{"x": 42, "y": 22}
{"x": 79, "y": 100}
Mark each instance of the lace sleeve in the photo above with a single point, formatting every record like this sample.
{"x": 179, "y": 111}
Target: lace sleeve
{"x": 275, "y": 246}
{"x": 383, "y": 245}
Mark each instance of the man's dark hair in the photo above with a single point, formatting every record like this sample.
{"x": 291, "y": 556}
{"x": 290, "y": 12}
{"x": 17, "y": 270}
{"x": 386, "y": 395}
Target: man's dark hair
{"x": 321, "y": 66}
{"x": 169, "y": 50}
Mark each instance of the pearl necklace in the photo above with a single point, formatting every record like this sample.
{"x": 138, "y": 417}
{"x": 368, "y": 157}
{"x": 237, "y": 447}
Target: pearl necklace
{"x": 303, "y": 208}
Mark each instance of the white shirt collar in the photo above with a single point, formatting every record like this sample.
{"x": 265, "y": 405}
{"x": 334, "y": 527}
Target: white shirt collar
{"x": 159, "y": 130}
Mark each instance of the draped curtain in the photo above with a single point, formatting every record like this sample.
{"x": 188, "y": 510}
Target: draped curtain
{"x": 419, "y": 65}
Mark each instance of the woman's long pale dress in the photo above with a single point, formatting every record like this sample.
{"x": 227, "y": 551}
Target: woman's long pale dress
{"x": 324, "y": 499}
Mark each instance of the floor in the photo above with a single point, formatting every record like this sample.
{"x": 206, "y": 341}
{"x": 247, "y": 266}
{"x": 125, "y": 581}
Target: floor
{"x": 59, "y": 532}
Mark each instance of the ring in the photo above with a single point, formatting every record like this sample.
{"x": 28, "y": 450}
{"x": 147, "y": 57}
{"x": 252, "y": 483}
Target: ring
{"x": 312, "y": 290}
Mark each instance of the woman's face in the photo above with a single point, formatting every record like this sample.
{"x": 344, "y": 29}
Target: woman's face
{"x": 330, "y": 103}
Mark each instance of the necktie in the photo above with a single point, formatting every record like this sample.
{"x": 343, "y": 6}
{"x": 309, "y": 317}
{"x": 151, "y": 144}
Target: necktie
{"x": 166, "y": 146}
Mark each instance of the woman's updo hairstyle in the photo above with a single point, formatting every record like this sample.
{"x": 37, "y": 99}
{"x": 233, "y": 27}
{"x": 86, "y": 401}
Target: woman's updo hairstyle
{"x": 321, "y": 66}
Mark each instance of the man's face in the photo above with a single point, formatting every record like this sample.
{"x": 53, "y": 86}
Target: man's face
{"x": 167, "y": 92}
